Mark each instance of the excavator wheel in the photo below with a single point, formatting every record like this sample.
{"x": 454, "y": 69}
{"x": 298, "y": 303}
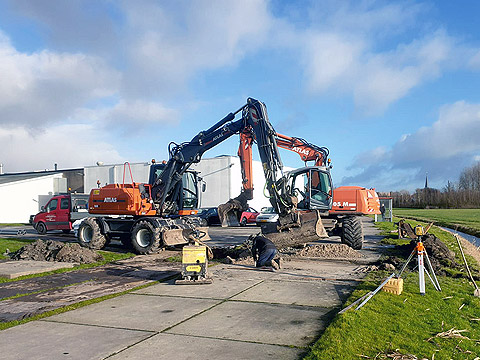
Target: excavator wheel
{"x": 146, "y": 237}
{"x": 352, "y": 232}
{"x": 90, "y": 235}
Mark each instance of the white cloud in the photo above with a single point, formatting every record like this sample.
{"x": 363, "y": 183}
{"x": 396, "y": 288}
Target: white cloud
{"x": 45, "y": 87}
{"x": 67, "y": 145}
{"x": 332, "y": 60}
{"x": 170, "y": 43}
{"x": 374, "y": 52}
{"x": 442, "y": 150}
{"x": 139, "y": 114}
{"x": 349, "y": 63}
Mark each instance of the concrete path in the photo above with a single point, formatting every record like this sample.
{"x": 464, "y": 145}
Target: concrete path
{"x": 244, "y": 314}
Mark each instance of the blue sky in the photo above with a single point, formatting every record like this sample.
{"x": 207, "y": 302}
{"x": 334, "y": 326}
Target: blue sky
{"x": 391, "y": 88}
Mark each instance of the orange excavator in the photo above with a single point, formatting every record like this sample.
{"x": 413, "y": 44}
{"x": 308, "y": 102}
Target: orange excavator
{"x": 348, "y": 201}
{"x": 150, "y": 216}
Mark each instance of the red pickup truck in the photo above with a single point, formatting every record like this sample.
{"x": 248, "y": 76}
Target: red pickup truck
{"x": 60, "y": 213}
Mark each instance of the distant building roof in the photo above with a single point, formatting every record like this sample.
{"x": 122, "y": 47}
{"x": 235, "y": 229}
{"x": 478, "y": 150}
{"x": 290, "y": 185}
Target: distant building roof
{"x": 12, "y": 177}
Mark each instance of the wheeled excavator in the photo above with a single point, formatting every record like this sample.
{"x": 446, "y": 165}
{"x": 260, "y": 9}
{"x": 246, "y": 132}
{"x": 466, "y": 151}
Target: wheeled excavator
{"x": 148, "y": 214}
{"x": 348, "y": 203}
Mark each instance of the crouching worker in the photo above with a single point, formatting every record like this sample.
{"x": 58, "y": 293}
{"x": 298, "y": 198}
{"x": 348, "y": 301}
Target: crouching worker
{"x": 263, "y": 251}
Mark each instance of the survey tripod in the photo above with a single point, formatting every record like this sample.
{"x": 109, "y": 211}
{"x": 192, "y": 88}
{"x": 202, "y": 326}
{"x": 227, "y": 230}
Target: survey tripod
{"x": 421, "y": 256}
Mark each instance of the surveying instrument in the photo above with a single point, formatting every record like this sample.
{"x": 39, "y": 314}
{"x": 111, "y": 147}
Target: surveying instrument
{"x": 421, "y": 256}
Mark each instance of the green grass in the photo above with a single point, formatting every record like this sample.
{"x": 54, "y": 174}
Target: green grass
{"x": 406, "y": 322}
{"x": 12, "y": 245}
{"x": 467, "y": 220}
{"x": 12, "y": 224}
{"x": 175, "y": 258}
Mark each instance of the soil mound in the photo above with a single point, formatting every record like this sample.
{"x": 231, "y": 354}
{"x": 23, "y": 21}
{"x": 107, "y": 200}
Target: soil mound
{"x": 439, "y": 254}
{"x": 328, "y": 251}
{"x": 50, "y": 250}
{"x": 241, "y": 254}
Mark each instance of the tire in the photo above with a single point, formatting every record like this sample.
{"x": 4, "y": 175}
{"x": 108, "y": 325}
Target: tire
{"x": 90, "y": 235}
{"x": 41, "y": 228}
{"x": 243, "y": 222}
{"x": 352, "y": 232}
{"x": 146, "y": 238}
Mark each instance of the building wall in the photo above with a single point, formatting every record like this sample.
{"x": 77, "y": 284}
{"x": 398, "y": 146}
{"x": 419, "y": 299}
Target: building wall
{"x": 19, "y": 199}
{"x": 113, "y": 174}
{"x": 221, "y": 174}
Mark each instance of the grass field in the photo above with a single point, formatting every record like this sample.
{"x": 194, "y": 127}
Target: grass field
{"x": 467, "y": 220}
{"x": 408, "y": 323}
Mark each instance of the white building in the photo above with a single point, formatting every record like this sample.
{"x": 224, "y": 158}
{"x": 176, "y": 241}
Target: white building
{"x": 221, "y": 174}
{"x": 20, "y": 194}
{"x": 23, "y": 194}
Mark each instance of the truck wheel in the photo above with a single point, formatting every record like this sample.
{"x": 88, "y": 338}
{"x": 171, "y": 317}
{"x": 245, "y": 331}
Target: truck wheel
{"x": 41, "y": 228}
{"x": 243, "y": 222}
{"x": 146, "y": 238}
{"x": 352, "y": 232}
{"x": 90, "y": 236}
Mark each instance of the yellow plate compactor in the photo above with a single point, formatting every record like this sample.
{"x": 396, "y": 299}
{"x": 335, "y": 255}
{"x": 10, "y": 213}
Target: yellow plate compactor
{"x": 194, "y": 265}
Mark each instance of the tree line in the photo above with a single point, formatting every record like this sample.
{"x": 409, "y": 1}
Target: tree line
{"x": 463, "y": 194}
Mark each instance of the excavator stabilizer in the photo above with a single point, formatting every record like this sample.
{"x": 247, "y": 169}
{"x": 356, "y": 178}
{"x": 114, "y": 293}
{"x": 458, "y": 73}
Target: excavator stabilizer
{"x": 307, "y": 228}
{"x": 174, "y": 237}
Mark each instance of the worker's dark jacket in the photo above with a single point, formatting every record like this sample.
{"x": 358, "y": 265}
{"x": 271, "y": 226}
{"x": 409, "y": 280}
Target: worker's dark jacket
{"x": 264, "y": 248}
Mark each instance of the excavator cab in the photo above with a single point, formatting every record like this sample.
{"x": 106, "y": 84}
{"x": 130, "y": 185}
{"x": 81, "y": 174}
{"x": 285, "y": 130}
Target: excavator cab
{"x": 188, "y": 191}
{"x": 312, "y": 186}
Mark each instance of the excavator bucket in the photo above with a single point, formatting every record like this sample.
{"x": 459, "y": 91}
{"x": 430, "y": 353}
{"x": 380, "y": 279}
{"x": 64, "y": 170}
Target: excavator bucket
{"x": 230, "y": 219}
{"x": 228, "y": 214}
{"x": 309, "y": 227}
{"x": 174, "y": 237}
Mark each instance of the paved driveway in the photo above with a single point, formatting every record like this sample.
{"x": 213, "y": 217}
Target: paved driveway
{"x": 244, "y": 314}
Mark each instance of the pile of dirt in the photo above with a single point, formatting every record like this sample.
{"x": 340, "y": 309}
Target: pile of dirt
{"x": 328, "y": 251}
{"x": 440, "y": 256}
{"x": 50, "y": 250}
{"x": 241, "y": 254}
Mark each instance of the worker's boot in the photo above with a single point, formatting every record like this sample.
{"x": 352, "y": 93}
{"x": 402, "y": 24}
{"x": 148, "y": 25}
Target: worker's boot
{"x": 276, "y": 263}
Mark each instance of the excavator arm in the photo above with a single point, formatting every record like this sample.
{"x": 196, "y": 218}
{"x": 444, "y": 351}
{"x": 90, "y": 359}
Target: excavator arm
{"x": 254, "y": 124}
{"x": 307, "y": 151}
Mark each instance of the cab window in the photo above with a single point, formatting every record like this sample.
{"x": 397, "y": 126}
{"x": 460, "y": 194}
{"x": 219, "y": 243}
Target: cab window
{"x": 52, "y": 205}
{"x": 320, "y": 190}
{"x": 64, "y": 203}
{"x": 190, "y": 197}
